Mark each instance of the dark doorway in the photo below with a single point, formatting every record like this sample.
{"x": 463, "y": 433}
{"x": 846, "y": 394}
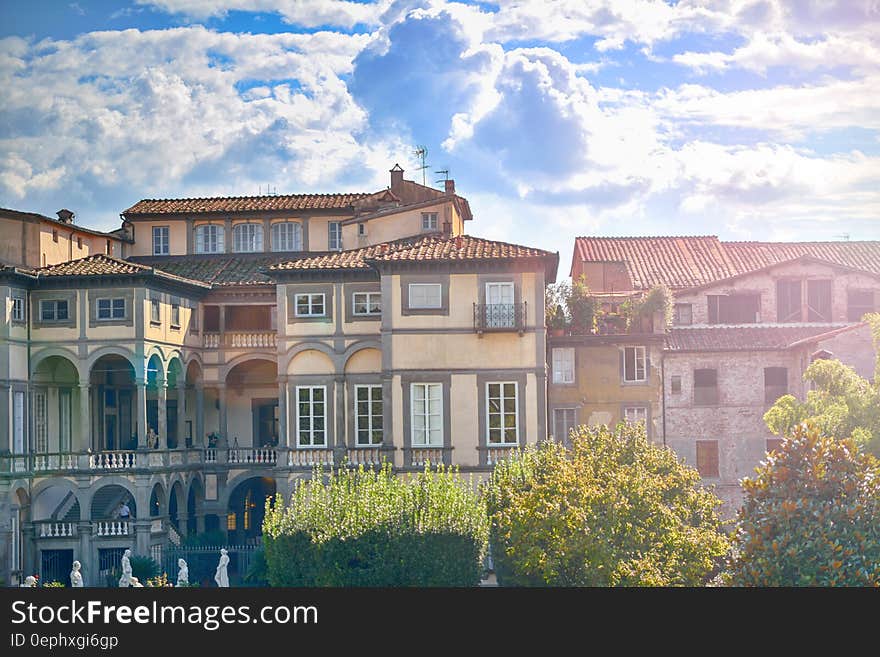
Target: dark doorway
{"x": 55, "y": 566}
{"x": 265, "y": 414}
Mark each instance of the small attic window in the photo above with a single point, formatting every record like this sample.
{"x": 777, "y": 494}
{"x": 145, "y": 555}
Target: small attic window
{"x": 362, "y": 229}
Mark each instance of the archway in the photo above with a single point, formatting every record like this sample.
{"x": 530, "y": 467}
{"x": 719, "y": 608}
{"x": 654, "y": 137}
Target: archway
{"x": 176, "y": 502}
{"x": 157, "y": 501}
{"x": 176, "y": 403}
{"x": 56, "y": 396}
{"x": 252, "y": 404}
{"x": 194, "y": 405}
{"x": 194, "y": 500}
{"x": 246, "y": 508}
{"x": 108, "y": 501}
{"x": 113, "y": 399}
{"x": 156, "y": 410}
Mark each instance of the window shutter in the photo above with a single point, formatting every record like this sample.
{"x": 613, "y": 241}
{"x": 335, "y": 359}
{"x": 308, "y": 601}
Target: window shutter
{"x": 200, "y": 239}
{"x": 622, "y": 371}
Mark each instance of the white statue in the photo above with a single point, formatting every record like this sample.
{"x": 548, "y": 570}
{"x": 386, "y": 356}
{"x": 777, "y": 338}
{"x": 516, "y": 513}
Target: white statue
{"x": 29, "y": 582}
{"x": 136, "y": 583}
{"x": 76, "y": 578}
{"x": 182, "y": 573}
{"x": 220, "y": 576}
{"x": 125, "y": 579}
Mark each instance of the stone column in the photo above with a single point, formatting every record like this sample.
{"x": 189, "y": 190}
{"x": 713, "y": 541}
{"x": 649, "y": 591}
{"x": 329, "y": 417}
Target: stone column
{"x": 199, "y": 425}
{"x": 86, "y": 557}
{"x": 162, "y": 396}
{"x": 339, "y": 443}
{"x": 283, "y": 438}
{"x": 85, "y": 419}
{"x": 181, "y": 414}
{"x": 221, "y": 398}
{"x": 141, "y": 412}
{"x": 142, "y": 534}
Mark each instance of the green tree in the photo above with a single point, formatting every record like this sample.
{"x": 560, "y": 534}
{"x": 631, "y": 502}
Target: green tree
{"x": 840, "y": 403}
{"x": 613, "y": 510}
{"x": 811, "y": 516}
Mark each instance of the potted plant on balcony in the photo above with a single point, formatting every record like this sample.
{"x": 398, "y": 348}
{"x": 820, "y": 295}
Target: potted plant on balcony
{"x": 641, "y": 312}
{"x": 557, "y": 321}
{"x": 583, "y": 307}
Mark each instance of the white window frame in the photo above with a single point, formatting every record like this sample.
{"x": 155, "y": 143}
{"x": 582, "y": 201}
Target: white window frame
{"x": 430, "y": 221}
{"x": 41, "y": 421}
{"x": 311, "y": 431}
{"x": 310, "y": 298}
{"x": 155, "y": 311}
{"x": 560, "y": 369}
{"x": 368, "y": 300}
{"x": 370, "y": 416}
{"x": 161, "y": 240}
{"x": 175, "y": 315}
{"x": 247, "y": 238}
{"x": 334, "y": 236}
{"x": 44, "y": 303}
{"x": 556, "y": 428}
{"x": 111, "y": 308}
{"x": 18, "y": 422}
{"x": 287, "y": 236}
{"x": 644, "y": 360}
{"x": 503, "y": 428}
{"x": 424, "y": 286}
{"x": 208, "y": 236}
{"x": 640, "y": 410}
{"x": 17, "y": 309}
{"x": 426, "y": 415}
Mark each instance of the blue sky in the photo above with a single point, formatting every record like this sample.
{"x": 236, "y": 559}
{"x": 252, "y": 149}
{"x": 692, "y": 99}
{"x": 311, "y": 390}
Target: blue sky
{"x": 750, "y": 119}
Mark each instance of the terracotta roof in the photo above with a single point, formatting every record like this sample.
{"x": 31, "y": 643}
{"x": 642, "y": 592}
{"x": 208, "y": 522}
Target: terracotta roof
{"x": 219, "y": 270}
{"x": 691, "y": 261}
{"x": 742, "y": 338}
{"x": 245, "y": 204}
{"x": 104, "y": 265}
{"x": 433, "y": 247}
{"x": 33, "y": 216}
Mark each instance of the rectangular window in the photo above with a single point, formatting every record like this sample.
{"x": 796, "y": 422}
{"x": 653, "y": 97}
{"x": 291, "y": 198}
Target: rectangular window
{"x": 635, "y": 414}
{"x": 425, "y": 295}
{"x": 707, "y": 458}
{"x": 18, "y": 422}
{"x": 683, "y": 314}
{"x": 309, "y": 305}
{"x": 155, "y": 311}
{"x": 362, "y": 229}
{"x": 788, "y": 301}
{"x": 334, "y": 236}
{"x": 427, "y": 414}
{"x": 675, "y": 384}
{"x": 210, "y": 238}
{"x": 500, "y": 309}
{"x": 160, "y": 240}
{"x": 562, "y": 363}
{"x": 111, "y": 308}
{"x": 635, "y": 366}
{"x": 230, "y": 522}
{"x": 564, "y": 420}
{"x": 858, "y": 303}
{"x": 429, "y": 221}
{"x": 501, "y": 409}
{"x": 311, "y": 416}
{"x": 819, "y": 301}
{"x": 41, "y": 437}
{"x": 287, "y": 236}
{"x": 775, "y": 383}
{"x": 108, "y": 247}
{"x": 175, "y": 315}
{"x": 247, "y": 238}
{"x": 54, "y": 235}
{"x": 64, "y": 420}
{"x": 705, "y": 387}
{"x": 367, "y": 303}
{"x": 79, "y": 242}
{"x": 368, "y": 414}
{"x": 17, "y": 309}
{"x": 774, "y": 444}
{"x": 53, "y": 310}
{"x": 734, "y": 308}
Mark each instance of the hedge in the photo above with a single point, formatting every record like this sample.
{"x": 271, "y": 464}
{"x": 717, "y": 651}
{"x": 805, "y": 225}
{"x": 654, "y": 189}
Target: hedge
{"x": 365, "y": 527}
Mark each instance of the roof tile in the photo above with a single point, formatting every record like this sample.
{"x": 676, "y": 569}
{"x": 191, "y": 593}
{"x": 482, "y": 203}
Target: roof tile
{"x": 742, "y": 338}
{"x": 246, "y": 204}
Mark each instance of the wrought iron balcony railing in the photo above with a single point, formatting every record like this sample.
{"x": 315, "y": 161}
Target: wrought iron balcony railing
{"x": 499, "y": 317}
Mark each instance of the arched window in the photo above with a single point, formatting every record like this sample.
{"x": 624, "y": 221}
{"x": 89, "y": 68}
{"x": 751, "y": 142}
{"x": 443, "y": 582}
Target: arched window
{"x": 209, "y": 238}
{"x": 247, "y": 238}
{"x": 287, "y": 236}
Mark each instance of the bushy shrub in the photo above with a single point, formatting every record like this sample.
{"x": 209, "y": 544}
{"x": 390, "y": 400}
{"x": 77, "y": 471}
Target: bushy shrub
{"x": 371, "y": 528}
{"x": 811, "y": 516}
{"x": 611, "y": 510}
{"x": 144, "y": 568}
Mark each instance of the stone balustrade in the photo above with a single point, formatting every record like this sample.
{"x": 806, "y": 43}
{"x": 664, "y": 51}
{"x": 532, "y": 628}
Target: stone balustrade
{"x": 364, "y": 456}
{"x": 55, "y": 529}
{"x": 497, "y": 453}
{"x": 116, "y": 460}
{"x": 309, "y": 457}
{"x": 249, "y": 456}
{"x": 112, "y": 528}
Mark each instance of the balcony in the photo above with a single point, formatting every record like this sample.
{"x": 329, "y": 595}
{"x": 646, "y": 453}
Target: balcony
{"x": 495, "y": 317}
{"x": 240, "y": 340}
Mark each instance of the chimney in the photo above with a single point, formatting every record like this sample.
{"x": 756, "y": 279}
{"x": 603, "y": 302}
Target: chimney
{"x": 65, "y": 216}
{"x": 396, "y": 177}
{"x": 450, "y": 187}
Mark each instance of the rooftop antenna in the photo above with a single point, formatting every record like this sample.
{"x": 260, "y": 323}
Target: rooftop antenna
{"x": 421, "y": 152}
{"x": 843, "y": 236}
{"x": 445, "y": 174}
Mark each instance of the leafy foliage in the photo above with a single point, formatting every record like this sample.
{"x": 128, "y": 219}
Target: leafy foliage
{"x": 258, "y": 570}
{"x": 613, "y": 510}
{"x": 159, "y": 581}
{"x": 144, "y": 568}
{"x": 582, "y": 306}
{"x": 371, "y": 528}
{"x": 811, "y": 516}
{"x": 556, "y": 304}
{"x": 840, "y": 403}
{"x": 55, "y": 584}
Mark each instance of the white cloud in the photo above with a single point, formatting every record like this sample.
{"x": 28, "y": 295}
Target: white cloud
{"x": 307, "y": 13}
